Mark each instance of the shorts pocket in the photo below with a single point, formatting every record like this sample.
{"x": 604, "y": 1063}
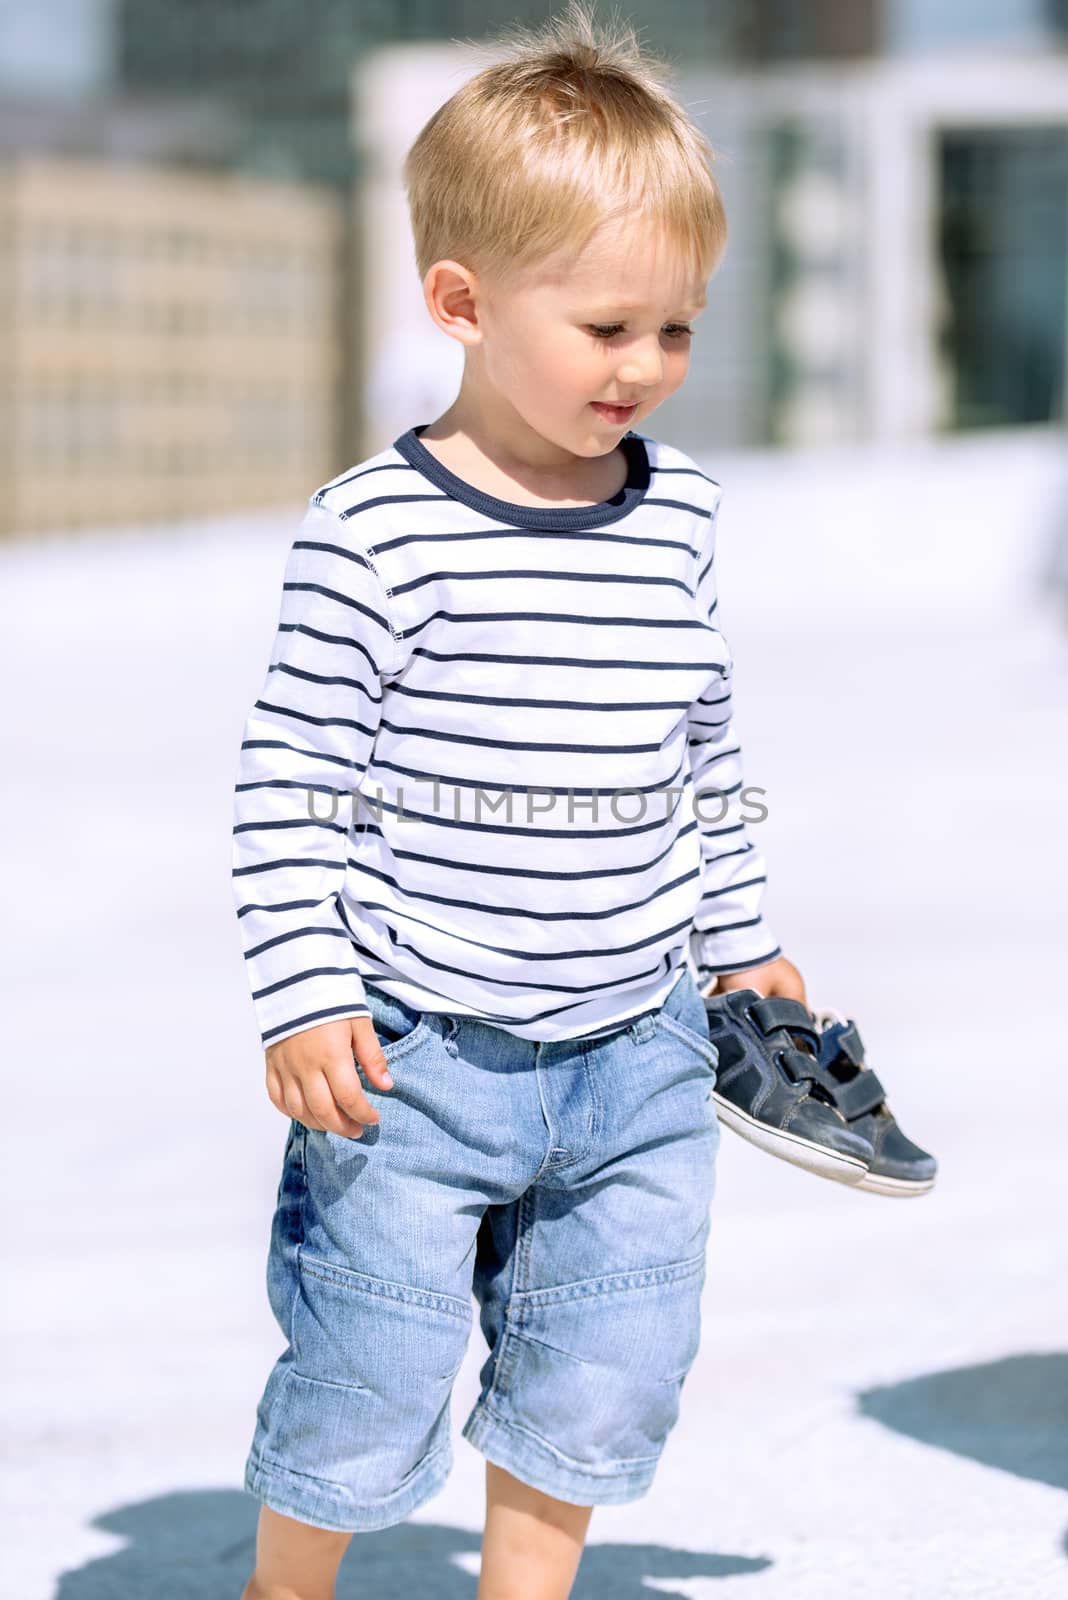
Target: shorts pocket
{"x": 697, "y": 1041}
{"x": 398, "y": 1027}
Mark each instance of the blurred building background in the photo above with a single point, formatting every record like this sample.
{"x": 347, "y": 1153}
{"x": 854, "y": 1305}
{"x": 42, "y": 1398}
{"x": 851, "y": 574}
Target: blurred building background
{"x": 211, "y": 298}
{"x": 171, "y": 341}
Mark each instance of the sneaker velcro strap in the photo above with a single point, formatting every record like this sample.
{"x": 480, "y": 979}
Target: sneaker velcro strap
{"x": 798, "y": 1065}
{"x": 862, "y": 1093}
{"x": 779, "y": 1012}
{"x": 850, "y": 1044}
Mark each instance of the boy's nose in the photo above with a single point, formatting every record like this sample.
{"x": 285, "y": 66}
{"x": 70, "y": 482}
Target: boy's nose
{"x": 642, "y": 372}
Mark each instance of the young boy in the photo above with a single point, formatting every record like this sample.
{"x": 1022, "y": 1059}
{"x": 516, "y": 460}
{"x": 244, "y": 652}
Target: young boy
{"x": 488, "y": 813}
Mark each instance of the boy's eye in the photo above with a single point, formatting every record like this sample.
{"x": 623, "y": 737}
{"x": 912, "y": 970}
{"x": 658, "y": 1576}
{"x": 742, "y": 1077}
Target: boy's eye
{"x": 674, "y": 330}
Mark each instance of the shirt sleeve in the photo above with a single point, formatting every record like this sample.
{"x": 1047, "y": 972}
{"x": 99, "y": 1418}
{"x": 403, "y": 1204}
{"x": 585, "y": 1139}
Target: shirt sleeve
{"x": 305, "y": 748}
{"x": 730, "y": 932}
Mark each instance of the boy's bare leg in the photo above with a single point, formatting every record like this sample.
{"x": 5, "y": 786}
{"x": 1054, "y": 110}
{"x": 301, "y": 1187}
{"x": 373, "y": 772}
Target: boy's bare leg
{"x": 531, "y": 1548}
{"x": 532, "y": 1544}
{"x": 294, "y": 1561}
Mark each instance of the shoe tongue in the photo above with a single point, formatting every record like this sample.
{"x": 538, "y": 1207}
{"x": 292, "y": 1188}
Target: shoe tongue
{"x": 830, "y": 1056}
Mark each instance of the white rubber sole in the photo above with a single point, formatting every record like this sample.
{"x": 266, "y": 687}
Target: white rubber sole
{"x": 896, "y": 1188}
{"x": 790, "y": 1146}
{"x": 814, "y": 1158}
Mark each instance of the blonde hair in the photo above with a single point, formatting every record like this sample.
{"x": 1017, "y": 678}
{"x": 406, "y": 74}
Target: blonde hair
{"x": 572, "y": 126}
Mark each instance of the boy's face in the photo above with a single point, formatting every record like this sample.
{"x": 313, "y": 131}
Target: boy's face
{"x": 607, "y": 325}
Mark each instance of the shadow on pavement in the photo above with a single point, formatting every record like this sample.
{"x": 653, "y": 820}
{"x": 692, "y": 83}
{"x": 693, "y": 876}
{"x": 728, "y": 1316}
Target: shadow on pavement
{"x": 1011, "y": 1413}
{"x": 200, "y": 1545}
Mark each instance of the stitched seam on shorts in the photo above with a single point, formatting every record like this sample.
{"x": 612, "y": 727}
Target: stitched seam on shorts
{"x": 385, "y": 1288}
{"x": 612, "y": 1283}
{"x": 528, "y": 1206}
{"x": 596, "y": 1108}
{"x": 302, "y": 1141}
{"x": 526, "y": 1337}
{"x": 263, "y": 1460}
{"x": 329, "y": 1383}
{"x": 688, "y": 1035}
{"x": 511, "y": 1426}
{"x": 507, "y": 1352}
{"x": 395, "y": 1048}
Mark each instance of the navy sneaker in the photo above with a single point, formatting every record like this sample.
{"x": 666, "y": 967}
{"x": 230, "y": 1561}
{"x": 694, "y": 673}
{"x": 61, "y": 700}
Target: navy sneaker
{"x": 772, "y": 1089}
{"x": 898, "y": 1167}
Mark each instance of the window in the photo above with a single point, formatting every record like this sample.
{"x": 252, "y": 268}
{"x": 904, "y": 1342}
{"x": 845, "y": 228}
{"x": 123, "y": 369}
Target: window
{"x": 1004, "y": 257}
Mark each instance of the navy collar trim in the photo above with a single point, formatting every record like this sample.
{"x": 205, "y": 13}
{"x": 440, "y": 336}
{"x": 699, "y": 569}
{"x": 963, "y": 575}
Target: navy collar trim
{"x": 633, "y": 492}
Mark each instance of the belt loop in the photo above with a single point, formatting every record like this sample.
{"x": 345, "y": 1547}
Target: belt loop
{"x": 452, "y": 1025}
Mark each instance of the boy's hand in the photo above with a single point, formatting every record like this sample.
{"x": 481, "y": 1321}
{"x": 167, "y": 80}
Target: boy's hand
{"x": 774, "y": 977}
{"x": 312, "y": 1076}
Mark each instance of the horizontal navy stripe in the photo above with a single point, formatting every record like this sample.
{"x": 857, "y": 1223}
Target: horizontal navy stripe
{"x": 308, "y": 755}
{"x": 514, "y": 574}
{"x": 338, "y": 599}
{"x": 330, "y": 638}
{"x": 290, "y": 822}
{"x": 545, "y": 984}
{"x": 573, "y": 954}
{"x": 550, "y": 705}
{"x": 480, "y": 908}
{"x": 523, "y": 830}
{"x": 575, "y": 617}
{"x": 514, "y": 870}
{"x": 300, "y": 977}
{"x": 465, "y": 535}
{"x": 623, "y": 663}
{"x": 306, "y": 931}
{"x": 407, "y": 731}
{"x": 314, "y": 721}
{"x": 741, "y": 966}
{"x": 310, "y": 1018}
{"x": 451, "y": 781}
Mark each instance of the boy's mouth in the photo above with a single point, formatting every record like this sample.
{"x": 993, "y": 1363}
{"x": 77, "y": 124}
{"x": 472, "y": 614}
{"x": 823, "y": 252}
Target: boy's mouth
{"x": 614, "y": 414}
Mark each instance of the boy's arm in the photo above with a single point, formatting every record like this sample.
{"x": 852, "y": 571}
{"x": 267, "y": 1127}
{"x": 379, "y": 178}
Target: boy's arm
{"x": 730, "y": 933}
{"x": 310, "y": 733}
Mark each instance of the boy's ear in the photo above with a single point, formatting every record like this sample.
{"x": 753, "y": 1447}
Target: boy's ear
{"x": 451, "y": 294}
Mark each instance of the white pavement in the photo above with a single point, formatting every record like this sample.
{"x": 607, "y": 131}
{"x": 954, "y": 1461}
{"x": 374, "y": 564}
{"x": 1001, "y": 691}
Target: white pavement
{"x": 880, "y": 1403}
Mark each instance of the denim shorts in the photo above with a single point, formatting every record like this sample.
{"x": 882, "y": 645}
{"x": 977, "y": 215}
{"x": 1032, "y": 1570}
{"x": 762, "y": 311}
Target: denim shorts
{"x": 565, "y": 1187}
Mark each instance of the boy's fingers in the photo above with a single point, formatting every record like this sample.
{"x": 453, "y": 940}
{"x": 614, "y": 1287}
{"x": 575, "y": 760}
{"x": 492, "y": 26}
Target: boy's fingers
{"x": 295, "y": 1102}
{"x": 368, "y": 1051}
{"x": 323, "y": 1110}
{"x": 320, "y": 1087}
{"x": 346, "y": 1091}
{"x": 313, "y": 1079}
{"x": 313, "y": 1109}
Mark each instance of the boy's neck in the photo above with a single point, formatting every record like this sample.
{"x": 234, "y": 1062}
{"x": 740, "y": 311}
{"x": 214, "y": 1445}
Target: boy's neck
{"x": 496, "y": 473}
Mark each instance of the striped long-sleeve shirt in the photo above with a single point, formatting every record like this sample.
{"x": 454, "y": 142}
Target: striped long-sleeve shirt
{"x": 492, "y": 768}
